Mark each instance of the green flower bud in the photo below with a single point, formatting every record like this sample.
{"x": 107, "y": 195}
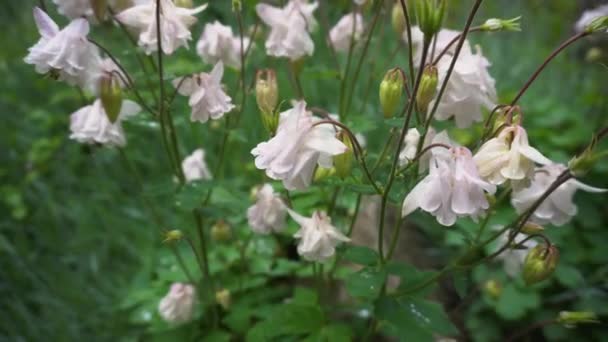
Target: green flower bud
{"x": 391, "y": 90}
{"x": 585, "y": 161}
{"x": 495, "y": 24}
{"x": 236, "y": 5}
{"x": 571, "y": 318}
{"x": 532, "y": 228}
{"x": 599, "y": 24}
{"x": 343, "y": 163}
{"x": 267, "y": 97}
{"x": 173, "y": 235}
{"x": 398, "y": 18}
{"x": 429, "y": 14}
{"x": 540, "y": 263}
{"x": 493, "y": 288}
{"x": 427, "y": 88}
{"x": 221, "y": 231}
{"x": 593, "y": 55}
{"x": 111, "y": 96}
{"x": 223, "y": 298}
{"x": 99, "y": 9}
{"x": 322, "y": 173}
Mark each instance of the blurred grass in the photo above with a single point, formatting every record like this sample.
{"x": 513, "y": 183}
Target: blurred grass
{"x": 74, "y": 237}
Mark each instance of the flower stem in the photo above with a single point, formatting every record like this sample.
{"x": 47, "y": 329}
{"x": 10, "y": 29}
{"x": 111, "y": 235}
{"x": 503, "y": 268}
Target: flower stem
{"x": 409, "y": 38}
{"x": 546, "y": 62}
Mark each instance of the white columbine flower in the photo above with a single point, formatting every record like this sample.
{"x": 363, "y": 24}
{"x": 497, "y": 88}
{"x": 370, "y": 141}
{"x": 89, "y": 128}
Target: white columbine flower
{"x": 178, "y": 305}
{"x": 588, "y": 16}
{"x": 513, "y": 259}
{"x": 469, "y": 89}
{"x": 268, "y": 213}
{"x": 452, "y": 189}
{"x": 508, "y": 157}
{"x": 348, "y": 26}
{"x": 411, "y": 140}
{"x": 298, "y": 146}
{"x": 74, "y": 8}
{"x": 289, "y": 29}
{"x": 66, "y": 51}
{"x": 318, "y": 238}
{"x": 217, "y": 43}
{"x": 90, "y": 124}
{"x": 207, "y": 98}
{"x": 195, "y": 167}
{"x": 175, "y": 24}
{"x": 558, "y": 208}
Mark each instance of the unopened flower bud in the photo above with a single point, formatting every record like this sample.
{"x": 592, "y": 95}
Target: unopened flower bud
{"x": 532, "y": 228}
{"x": 427, "y": 88}
{"x": 173, "y": 235}
{"x": 222, "y": 297}
{"x": 110, "y": 96}
{"x": 496, "y": 24}
{"x": 99, "y": 9}
{"x": 398, "y": 18}
{"x": 593, "y": 55}
{"x": 183, "y": 3}
{"x": 585, "y": 161}
{"x": 571, "y": 318}
{"x": 599, "y": 24}
{"x": 540, "y": 263}
{"x": 236, "y": 5}
{"x": 267, "y": 97}
{"x": 343, "y": 162}
{"x": 221, "y": 231}
{"x": 391, "y": 89}
{"x": 429, "y": 14}
{"x": 493, "y": 288}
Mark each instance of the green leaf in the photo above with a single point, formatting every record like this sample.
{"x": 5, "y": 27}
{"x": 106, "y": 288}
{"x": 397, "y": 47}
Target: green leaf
{"x": 411, "y": 278}
{"x": 366, "y": 284}
{"x": 514, "y": 302}
{"x": 360, "y": 255}
{"x": 288, "y": 319}
{"x": 400, "y": 320}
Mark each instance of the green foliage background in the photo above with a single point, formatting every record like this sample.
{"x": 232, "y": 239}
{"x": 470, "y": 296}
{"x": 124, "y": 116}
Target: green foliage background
{"x": 81, "y": 257}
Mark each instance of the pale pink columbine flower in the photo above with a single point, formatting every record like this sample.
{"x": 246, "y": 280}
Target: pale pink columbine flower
{"x": 349, "y": 28}
{"x": 66, "y": 52}
{"x": 298, "y": 146}
{"x": 175, "y": 24}
{"x": 218, "y": 43}
{"x": 452, "y": 189}
{"x": 195, "y": 167}
{"x": 588, "y": 16}
{"x": 289, "y": 29}
{"x": 508, "y": 157}
{"x": 558, "y": 208}
{"x": 207, "y": 98}
{"x": 513, "y": 258}
{"x": 408, "y": 152}
{"x": 443, "y": 38}
{"x": 90, "y": 124}
{"x": 74, "y": 8}
{"x": 178, "y": 305}
{"x": 100, "y": 68}
{"x": 318, "y": 238}
{"x": 268, "y": 213}
{"x": 469, "y": 90}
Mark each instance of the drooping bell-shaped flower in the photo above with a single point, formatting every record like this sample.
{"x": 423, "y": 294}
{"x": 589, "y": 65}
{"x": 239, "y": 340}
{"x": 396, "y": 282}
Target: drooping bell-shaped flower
{"x": 66, "y": 52}
{"x": 268, "y": 213}
{"x": 556, "y": 209}
{"x": 469, "y": 90}
{"x": 452, "y": 189}
{"x": 207, "y": 98}
{"x": 349, "y": 28}
{"x": 195, "y": 167}
{"x": 178, "y": 305}
{"x": 99, "y": 69}
{"x": 289, "y": 28}
{"x": 318, "y": 238}
{"x": 298, "y": 146}
{"x": 513, "y": 258}
{"x": 218, "y": 43}
{"x": 508, "y": 156}
{"x": 588, "y": 16}
{"x": 91, "y": 125}
{"x": 175, "y": 24}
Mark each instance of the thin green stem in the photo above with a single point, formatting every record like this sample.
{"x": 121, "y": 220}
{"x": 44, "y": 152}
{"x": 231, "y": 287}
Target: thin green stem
{"x": 409, "y": 38}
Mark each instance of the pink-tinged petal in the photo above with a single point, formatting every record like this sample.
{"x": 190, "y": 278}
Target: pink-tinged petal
{"x": 301, "y": 220}
{"x": 46, "y": 26}
{"x": 187, "y": 85}
{"x": 410, "y": 204}
{"x": 217, "y": 72}
{"x": 269, "y": 14}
